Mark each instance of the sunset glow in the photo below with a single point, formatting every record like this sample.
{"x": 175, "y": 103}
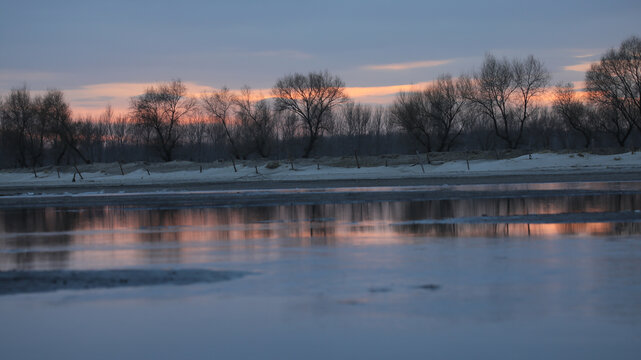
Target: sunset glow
{"x": 335, "y": 179}
{"x": 92, "y": 99}
{"x": 373, "y": 59}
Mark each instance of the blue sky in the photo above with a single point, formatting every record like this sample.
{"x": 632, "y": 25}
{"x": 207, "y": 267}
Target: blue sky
{"x": 103, "y": 52}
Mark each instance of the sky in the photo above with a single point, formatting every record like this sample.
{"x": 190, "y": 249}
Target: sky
{"x": 104, "y": 52}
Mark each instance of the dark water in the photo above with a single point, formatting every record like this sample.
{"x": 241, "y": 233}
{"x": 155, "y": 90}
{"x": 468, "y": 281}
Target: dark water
{"x": 552, "y": 277}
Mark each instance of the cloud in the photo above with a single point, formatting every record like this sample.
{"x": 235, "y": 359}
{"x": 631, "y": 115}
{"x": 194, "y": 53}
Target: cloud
{"x": 381, "y": 94}
{"x": 408, "y": 65}
{"x": 108, "y": 89}
{"x": 585, "y": 56}
{"x": 582, "y": 67}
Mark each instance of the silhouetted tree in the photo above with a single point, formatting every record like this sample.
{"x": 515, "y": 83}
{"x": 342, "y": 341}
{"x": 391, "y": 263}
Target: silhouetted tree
{"x": 5, "y": 142}
{"x": 196, "y": 134}
{"x": 357, "y": 118}
{"x": 287, "y": 131}
{"x": 218, "y": 105}
{"x": 54, "y": 109}
{"x": 446, "y": 108}
{"x": 545, "y": 130}
{"x": 26, "y": 130}
{"x": 160, "y": 109}
{"x": 91, "y": 135}
{"x": 505, "y": 93}
{"x": 257, "y": 121}
{"x": 311, "y": 97}
{"x": 379, "y": 125}
{"x": 615, "y": 81}
{"x": 574, "y": 112}
{"x": 434, "y": 116}
{"x": 612, "y": 122}
{"x": 406, "y": 114}
{"x": 120, "y": 135}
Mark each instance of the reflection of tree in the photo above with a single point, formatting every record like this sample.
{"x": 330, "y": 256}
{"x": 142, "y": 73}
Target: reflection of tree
{"x": 38, "y": 220}
{"x": 482, "y": 207}
{"x": 245, "y": 229}
{"x": 319, "y": 221}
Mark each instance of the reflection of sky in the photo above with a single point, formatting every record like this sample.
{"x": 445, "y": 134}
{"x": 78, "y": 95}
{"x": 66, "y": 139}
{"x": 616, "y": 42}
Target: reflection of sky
{"x": 100, "y": 52}
{"x": 123, "y": 236}
{"x": 336, "y": 278}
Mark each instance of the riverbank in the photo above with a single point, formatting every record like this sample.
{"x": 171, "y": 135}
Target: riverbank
{"x": 253, "y": 182}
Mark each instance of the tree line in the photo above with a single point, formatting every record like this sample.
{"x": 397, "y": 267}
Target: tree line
{"x": 502, "y": 105}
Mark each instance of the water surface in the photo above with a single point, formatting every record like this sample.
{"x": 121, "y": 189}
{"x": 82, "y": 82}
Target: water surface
{"x": 525, "y": 277}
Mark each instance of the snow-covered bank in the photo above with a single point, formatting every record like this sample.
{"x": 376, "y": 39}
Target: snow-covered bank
{"x": 99, "y": 175}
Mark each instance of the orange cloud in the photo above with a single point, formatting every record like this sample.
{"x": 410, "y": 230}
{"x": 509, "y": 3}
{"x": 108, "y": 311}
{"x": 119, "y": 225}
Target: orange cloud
{"x": 381, "y": 94}
{"x": 582, "y": 67}
{"x": 363, "y": 91}
{"x": 408, "y": 65}
{"x": 585, "y": 56}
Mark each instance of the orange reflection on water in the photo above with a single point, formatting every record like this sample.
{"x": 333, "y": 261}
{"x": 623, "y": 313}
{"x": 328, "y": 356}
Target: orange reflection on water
{"x": 125, "y": 235}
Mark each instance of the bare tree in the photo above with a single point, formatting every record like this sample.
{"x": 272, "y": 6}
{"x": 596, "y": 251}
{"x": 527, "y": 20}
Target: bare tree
{"x": 378, "y": 122}
{"x": 434, "y": 116}
{"x": 446, "y": 108}
{"x": 258, "y": 123}
{"x": 65, "y": 132}
{"x": 406, "y": 115}
{"x": 119, "y": 133}
{"x": 505, "y": 93}
{"x": 196, "y": 134}
{"x": 546, "y": 130}
{"x": 480, "y": 133}
{"x": 357, "y": 118}
{"x": 613, "y": 123}
{"x": 160, "y": 109}
{"x": 311, "y": 97}
{"x": 218, "y": 105}
{"x": 5, "y": 138}
{"x": 91, "y": 136}
{"x": 379, "y": 126}
{"x": 287, "y": 131}
{"x": 215, "y": 134}
{"x": 27, "y": 129}
{"x": 615, "y": 81}
{"x": 574, "y": 112}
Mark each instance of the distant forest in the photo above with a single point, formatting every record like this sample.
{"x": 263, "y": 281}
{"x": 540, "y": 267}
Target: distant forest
{"x": 505, "y": 104}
